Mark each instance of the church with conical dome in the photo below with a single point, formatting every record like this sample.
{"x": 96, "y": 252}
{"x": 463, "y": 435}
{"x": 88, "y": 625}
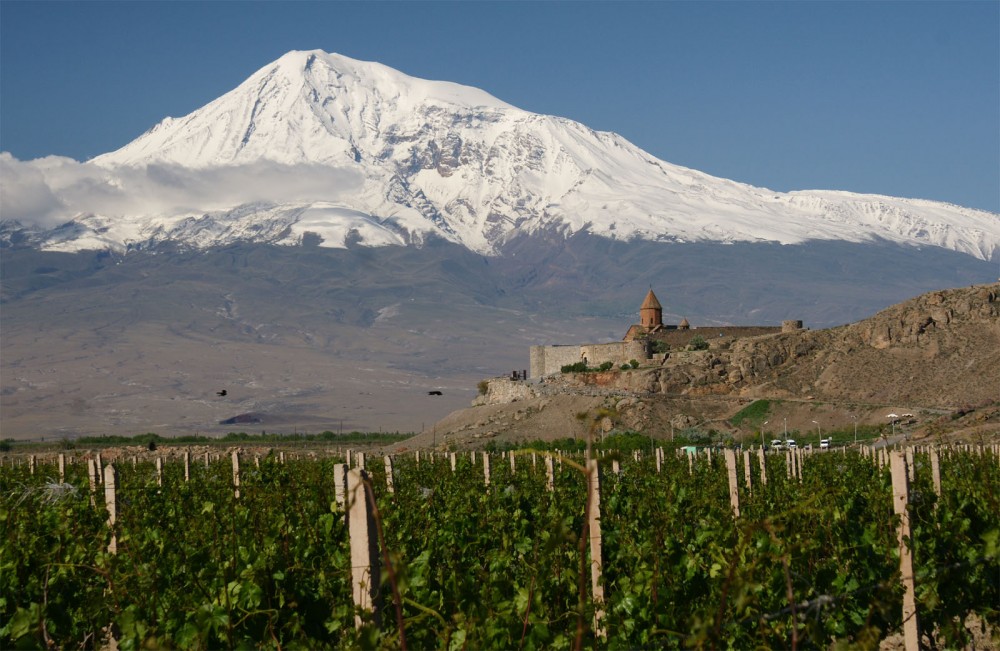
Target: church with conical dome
{"x": 651, "y": 319}
{"x": 649, "y": 342}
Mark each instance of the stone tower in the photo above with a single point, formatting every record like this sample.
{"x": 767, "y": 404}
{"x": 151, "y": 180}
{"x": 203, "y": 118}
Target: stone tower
{"x": 651, "y": 312}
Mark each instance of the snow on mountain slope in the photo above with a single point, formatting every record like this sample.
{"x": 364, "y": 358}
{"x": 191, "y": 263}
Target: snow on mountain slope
{"x": 438, "y": 158}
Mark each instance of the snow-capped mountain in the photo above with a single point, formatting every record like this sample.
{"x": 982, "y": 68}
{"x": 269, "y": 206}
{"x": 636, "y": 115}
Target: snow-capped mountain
{"x": 321, "y": 148}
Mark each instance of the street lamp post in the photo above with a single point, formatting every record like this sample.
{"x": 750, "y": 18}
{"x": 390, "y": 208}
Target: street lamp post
{"x": 892, "y": 419}
{"x": 855, "y": 430}
{"x": 762, "y": 435}
{"x": 819, "y": 432}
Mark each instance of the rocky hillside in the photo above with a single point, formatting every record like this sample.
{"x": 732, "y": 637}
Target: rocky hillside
{"x": 938, "y": 350}
{"x": 937, "y": 354}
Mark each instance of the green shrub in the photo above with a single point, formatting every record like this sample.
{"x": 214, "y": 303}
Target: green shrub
{"x": 625, "y": 367}
{"x": 579, "y": 367}
{"x": 634, "y": 363}
{"x": 660, "y": 346}
{"x": 698, "y": 343}
{"x": 483, "y": 385}
{"x": 606, "y": 366}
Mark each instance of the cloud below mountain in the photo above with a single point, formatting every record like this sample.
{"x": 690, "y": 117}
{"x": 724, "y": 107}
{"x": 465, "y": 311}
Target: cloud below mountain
{"x": 50, "y": 191}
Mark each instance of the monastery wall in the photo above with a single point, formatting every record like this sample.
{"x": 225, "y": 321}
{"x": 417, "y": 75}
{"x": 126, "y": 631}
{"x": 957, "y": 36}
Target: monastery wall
{"x": 550, "y": 359}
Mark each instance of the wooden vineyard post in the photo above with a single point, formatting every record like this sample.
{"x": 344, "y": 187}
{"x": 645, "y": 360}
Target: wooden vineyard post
{"x": 206, "y": 459}
{"x": 708, "y": 455}
{"x": 256, "y": 461}
{"x": 798, "y": 463}
{"x": 110, "y": 487}
{"x": 936, "y": 472}
{"x": 788, "y": 464}
{"x": 159, "y": 471}
{"x": 616, "y": 467}
{"x": 365, "y": 576}
{"x": 734, "y": 490}
{"x": 236, "y": 474}
{"x": 900, "y": 502}
{"x": 360, "y": 460}
{"x": 513, "y": 468}
{"x": 187, "y": 466}
{"x": 763, "y": 466}
{"x": 454, "y": 462}
{"x": 388, "y": 475}
{"x": 62, "y": 468}
{"x": 486, "y": 468}
{"x": 659, "y": 459}
{"x": 92, "y": 480}
{"x": 910, "y": 470}
{"x": 746, "y": 469}
{"x": 690, "y": 463}
{"x": 596, "y": 558}
{"x": 550, "y": 474}
{"x": 100, "y": 464}
{"x": 31, "y": 464}
{"x": 417, "y": 457}
{"x": 534, "y": 461}
{"x": 340, "y": 484}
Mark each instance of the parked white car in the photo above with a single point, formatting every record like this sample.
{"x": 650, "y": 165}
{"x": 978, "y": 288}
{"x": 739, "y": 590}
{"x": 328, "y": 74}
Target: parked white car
{"x": 790, "y": 444}
{"x": 824, "y": 444}
{"x": 777, "y": 444}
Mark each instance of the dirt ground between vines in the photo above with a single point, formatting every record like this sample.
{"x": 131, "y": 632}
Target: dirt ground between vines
{"x": 984, "y": 638}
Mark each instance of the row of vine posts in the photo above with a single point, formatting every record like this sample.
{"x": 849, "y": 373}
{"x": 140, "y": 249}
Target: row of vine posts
{"x": 355, "y": 496}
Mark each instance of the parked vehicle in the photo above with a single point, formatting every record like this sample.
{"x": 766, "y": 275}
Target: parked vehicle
{"x": 776, "y": 444}
{"x": 790, "y": 444}
{"x": 824, "y": 444}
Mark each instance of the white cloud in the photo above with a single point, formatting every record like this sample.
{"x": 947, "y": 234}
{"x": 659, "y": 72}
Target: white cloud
{"x": 49, "y": 191}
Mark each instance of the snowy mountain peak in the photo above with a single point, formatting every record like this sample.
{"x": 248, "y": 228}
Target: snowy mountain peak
{"x": 322, "y": 147}
{"x": 306, "y": 107}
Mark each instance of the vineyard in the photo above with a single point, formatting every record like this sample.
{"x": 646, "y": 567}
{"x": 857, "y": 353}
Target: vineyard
{"x": 476, "y": 551}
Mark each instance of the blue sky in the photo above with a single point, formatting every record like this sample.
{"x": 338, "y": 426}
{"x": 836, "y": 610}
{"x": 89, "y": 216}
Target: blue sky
{"x": 897, "y": 98}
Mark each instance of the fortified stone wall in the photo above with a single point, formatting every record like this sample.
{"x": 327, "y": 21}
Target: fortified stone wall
{"x": 616, "y": 352}
{"x": 550, "y": 359}
{"x": 714, "y": 334}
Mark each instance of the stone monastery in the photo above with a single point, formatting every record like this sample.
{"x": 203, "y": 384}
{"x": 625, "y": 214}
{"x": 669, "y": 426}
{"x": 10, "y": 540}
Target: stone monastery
{"x": 646, "y": 341}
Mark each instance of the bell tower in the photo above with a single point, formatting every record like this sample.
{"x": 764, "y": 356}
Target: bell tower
{"x": 651, "y": 312}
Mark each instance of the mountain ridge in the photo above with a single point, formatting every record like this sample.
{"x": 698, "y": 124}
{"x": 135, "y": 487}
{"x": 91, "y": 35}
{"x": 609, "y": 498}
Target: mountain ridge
{"x": 394, "y": 160}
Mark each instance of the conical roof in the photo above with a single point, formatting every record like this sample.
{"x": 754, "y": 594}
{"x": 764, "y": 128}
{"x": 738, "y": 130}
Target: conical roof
{"x": 651, "y": 302}
{"x": 684, "y": 324}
